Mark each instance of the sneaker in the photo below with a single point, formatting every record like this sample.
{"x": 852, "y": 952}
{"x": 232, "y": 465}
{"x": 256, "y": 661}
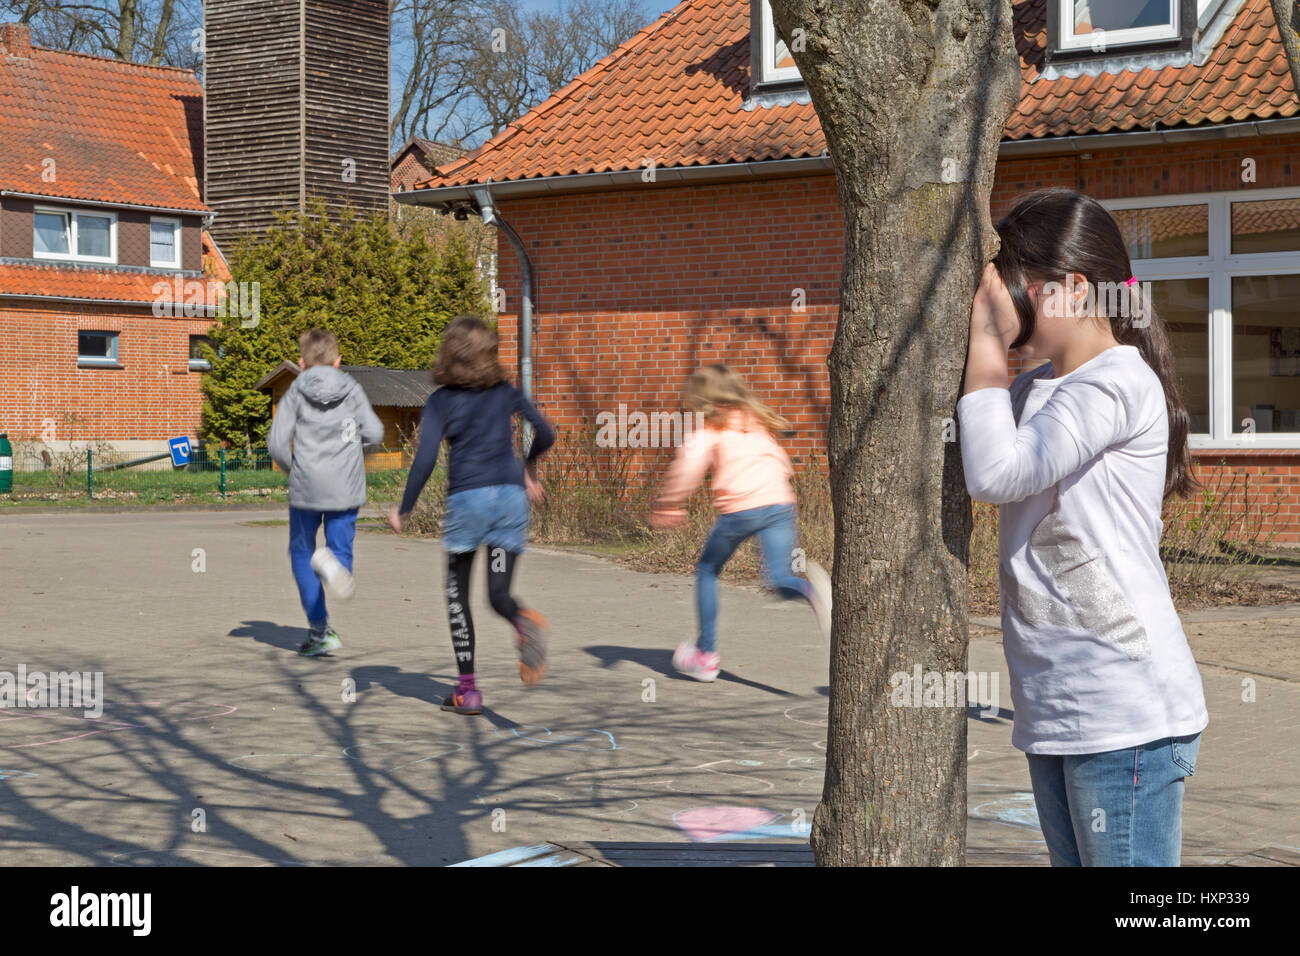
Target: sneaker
{"x": 337, "y": 579}
{"x": 322, "y": 643}
{"x": 820, "y": 596}
{"x": 468, "y": 702}
{"x": 696, "y": 664}
{"x": 530, "y": 640}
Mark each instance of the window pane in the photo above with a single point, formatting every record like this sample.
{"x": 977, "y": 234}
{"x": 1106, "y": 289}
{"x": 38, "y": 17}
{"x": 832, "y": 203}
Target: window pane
{"x": 94, "y": 345}
{"x": 162, "y": 242}
{"x": 51, "y": 233}
{"x": 1270, "y": 225}
{"x": 1265, "y": 353}
{"x": 196, "y": 346}
{"x": 93, "y": 233}
{"x": 1090, "y": 15}
{"x": 1165, "y": 231}
{"x": 1184, "y": 304}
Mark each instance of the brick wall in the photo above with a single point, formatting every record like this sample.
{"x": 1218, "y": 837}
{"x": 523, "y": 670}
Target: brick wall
{"x": 636, "y": 288}
{"x": 154, "y": 395}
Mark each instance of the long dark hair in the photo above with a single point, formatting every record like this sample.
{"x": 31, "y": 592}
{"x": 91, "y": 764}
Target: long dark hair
{"x": 1051, "y": 233}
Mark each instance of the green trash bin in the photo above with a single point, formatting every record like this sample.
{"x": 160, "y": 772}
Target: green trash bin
{"x": 6, "y": 465}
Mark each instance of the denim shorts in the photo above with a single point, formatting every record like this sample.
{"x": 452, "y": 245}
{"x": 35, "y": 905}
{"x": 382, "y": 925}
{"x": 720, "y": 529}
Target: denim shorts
{"x": 495, "y": 515}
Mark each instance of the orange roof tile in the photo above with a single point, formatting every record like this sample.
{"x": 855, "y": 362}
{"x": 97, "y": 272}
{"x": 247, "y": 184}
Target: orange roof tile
{"x": 116, "y": 132}
{"x": 675, "y": 93}
{"x": 99, "y": 285}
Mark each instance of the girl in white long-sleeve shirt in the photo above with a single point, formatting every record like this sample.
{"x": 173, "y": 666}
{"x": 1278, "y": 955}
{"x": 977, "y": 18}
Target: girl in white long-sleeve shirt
{"x": 1080, "y": 453}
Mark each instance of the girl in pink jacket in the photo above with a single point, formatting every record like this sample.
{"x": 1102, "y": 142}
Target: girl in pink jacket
{"x": 753, "y": 496}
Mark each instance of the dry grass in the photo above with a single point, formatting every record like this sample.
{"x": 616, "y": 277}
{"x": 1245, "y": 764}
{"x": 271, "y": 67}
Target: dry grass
{"x": 599, "y": 498}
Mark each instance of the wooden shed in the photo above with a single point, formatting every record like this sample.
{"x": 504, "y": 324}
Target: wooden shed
{"x": 396, "y": 394}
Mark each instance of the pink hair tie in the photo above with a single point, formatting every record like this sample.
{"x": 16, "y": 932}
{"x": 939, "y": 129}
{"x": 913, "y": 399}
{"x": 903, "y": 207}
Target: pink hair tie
{"x": 1131, "y": 280}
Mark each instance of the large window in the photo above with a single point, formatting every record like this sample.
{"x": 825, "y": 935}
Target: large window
{"x": 1225, "y": 274}
{"x": 77, "y": 236}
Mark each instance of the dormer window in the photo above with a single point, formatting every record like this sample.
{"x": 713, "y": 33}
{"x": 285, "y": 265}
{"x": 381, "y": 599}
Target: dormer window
{"x": 1095, "y": 28}
{"x": 1085, "y": 23}
{"x": 771, "y": 63}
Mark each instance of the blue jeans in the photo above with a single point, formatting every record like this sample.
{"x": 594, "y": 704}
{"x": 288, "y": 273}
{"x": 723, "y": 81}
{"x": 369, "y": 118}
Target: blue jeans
{"x": 774, "y": 526}
{"x": 340, "y": 529}
{"x": 495, "y": 515}
{"x": 1119, "y": 808}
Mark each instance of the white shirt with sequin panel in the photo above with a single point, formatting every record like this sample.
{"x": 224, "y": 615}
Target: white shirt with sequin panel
{"x": 1096, "y": 653}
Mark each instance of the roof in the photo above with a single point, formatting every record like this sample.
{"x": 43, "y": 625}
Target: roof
{"x": 116, "y": 132}
{"x": 676, "y": 92}
{"x": 386, "y": 387}
{"x": 96, "y": 284}
{"x": 434, "y": 153}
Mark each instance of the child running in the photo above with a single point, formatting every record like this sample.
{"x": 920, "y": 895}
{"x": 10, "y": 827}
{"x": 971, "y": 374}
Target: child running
{"x": 488, "y": 492}
{"x": 753, "y": 497}
{"x": 317, "y": 435}
{"x": 1080, "y": 453}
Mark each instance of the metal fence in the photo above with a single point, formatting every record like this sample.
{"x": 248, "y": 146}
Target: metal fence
{"x": 97, "y": 471}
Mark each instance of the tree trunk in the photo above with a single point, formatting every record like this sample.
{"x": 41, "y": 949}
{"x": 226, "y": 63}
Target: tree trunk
{"x": 1287, "y": 15}
{"x": 912, "y": 96}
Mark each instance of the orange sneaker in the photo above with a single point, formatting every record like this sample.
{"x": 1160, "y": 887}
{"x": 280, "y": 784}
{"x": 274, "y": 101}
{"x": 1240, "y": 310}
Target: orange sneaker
{"x": 530, "y": 640}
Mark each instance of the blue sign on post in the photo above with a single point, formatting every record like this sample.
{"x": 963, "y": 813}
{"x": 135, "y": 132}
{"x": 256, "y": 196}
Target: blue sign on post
{"x": 180, "y": 451}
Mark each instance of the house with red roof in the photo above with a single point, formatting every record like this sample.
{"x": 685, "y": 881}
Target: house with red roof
{"x": 108, "y": 278}
{"x": 675, "y": 206}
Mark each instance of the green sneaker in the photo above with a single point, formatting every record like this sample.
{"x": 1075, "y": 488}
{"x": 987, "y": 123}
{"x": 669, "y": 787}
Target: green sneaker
{"x": 322, "y": 643}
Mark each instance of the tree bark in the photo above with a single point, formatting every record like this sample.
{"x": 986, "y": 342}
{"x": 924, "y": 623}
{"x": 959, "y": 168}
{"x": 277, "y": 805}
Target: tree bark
{"x": 912, "y": 96}
{"x": 1287, "y": 15}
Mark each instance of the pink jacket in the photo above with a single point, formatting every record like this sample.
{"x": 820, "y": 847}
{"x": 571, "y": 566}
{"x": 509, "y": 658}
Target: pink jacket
{"x": 750, "y": 470}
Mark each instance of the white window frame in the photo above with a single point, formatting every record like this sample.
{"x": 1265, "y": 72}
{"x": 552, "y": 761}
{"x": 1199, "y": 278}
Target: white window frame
{"x": 1068, "y": 40}
{"x": 112, "y": 360}
{"x": 1221, "y": 267}
{"x": 176, "y": 242}
{"x": 768, "y": 72}
{"x": 73, "y": 215}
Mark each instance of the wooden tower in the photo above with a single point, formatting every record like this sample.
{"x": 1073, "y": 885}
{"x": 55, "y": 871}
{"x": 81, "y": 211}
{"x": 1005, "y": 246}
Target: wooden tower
{"x": 296, "y": 107}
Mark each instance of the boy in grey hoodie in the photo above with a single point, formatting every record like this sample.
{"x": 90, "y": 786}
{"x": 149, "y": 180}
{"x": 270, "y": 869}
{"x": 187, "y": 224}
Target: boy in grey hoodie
{"x": 317, "y": 435}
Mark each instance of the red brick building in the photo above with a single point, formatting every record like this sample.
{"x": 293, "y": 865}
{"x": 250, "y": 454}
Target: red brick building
{"x": 677, "y": 207}
{"x": 101, "y": 221}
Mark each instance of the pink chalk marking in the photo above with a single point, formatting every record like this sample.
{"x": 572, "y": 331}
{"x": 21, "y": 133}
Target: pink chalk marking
{"x": 708, "y": 823}
{"x": 117, "y": 725}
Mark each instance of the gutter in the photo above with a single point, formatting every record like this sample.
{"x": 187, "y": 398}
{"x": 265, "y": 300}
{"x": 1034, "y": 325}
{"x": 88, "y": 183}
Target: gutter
{"x": 1093, "y": 141}
{"x": 717, "y": 172}
{"x": 482, "y": 197}
{"x": 64, "y": 200}
{"x": 450, "y": 197}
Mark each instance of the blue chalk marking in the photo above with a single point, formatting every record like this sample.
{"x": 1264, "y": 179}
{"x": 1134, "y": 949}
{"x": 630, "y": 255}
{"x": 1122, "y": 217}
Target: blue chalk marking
{"x": 5, "y": 774}
{"x": 512, "y": 857}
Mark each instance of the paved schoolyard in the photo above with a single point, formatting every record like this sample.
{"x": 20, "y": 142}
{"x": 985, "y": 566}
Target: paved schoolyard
{"x": 218, "y": 745}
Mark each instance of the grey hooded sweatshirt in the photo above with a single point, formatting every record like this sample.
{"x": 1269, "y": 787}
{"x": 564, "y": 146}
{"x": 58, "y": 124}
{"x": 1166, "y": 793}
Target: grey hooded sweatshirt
{"x": 317, "y": 436}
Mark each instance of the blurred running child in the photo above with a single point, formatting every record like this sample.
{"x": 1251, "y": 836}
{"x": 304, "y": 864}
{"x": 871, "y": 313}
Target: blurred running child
{"x": 317, "y": 435}
{"x": 488, "y": 491}
{"x": 753, "y": 496}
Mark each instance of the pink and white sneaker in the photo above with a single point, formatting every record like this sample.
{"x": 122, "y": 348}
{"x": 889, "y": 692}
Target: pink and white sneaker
{"x": 696, "y": 664}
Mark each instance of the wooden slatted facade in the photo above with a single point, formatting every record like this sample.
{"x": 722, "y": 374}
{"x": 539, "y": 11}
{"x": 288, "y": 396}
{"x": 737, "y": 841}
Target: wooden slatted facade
{"x": 296, "y": 106}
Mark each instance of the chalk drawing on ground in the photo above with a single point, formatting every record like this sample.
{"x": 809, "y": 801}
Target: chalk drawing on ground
{"x": 55, "y": 727}
{"x": 587, "y": 739}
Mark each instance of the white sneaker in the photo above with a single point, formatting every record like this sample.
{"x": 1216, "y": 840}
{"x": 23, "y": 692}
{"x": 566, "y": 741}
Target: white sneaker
{"x": 821, "y": 596}
{"x": 690, "y": 661}
{"x": 337, "y": 579}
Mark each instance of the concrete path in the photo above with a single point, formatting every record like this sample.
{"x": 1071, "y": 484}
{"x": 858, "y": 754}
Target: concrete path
{"x": 218, "y": 745}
